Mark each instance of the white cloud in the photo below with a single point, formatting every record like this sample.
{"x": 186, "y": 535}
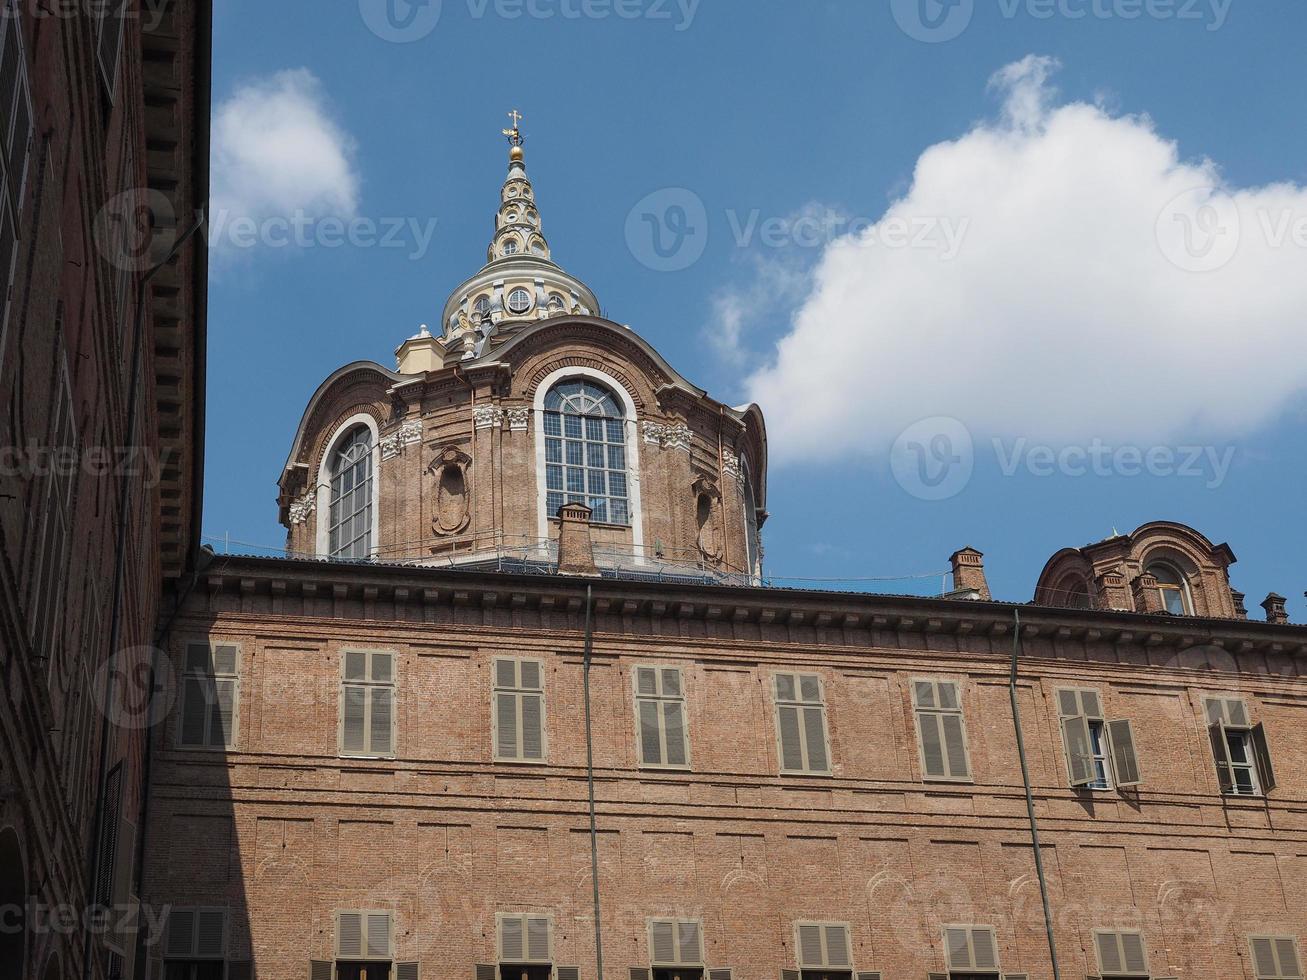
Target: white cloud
{"x": 1070, "y": 310}
{"x": 277, "y": 153}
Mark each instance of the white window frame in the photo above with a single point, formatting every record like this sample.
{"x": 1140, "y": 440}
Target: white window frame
{"x": 369, "y": 685}
{"x": 1274, "y": 940}
{"x": 661, "y": 699}
{"x": 960, "y": 711}
{"x": 676, "y": 923}
{"x": 322, "y": 506}
{"x": 632, "y": 424}
{"x": 526, "y": 960}
{"x": 823, "y": 925}
{"x": 778, "y": 702}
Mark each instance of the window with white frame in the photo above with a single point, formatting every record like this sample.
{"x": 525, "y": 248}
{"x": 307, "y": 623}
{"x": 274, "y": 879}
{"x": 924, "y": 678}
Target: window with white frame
{"x": 210, "y": 696}
{"x": 585, "y": 451}
{"x": 971, "y": 951}
{"x": 660, "y": 717}
{"x": 1099, "y": 753}
{"x": 367, "y": 703}
{"x": 1239, "y": 748}
{"x": 519, "y": 710}
{"x": 941, "y": 730}
{"x": 676, "y": 945}
{"x": 350, "y": 508}
{"x": 1121, "y": 954}
{"x": 823, "y": 950}
{"x": 1173, "y": 587}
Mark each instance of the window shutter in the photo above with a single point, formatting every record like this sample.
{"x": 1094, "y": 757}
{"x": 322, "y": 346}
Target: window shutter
{"x": 381, "y": 668}
{"x": 537, "y": 938}
{"x": 837, "y": 946}
{"x": 791, "y": 747}
{"x": 1079, "y": 757}
{"x": 223, "y": 727}
{"x": 378, "y": 935}
{"x": 568, "y": 973}
{"x": 512, "y": 942}
{"x": 240, "y": 970}
{"x": 661, "y": 938}
{"x": 108, "y": 850}
{"x": 506, "y": 725}
{"x": 486, "y": 971}
{"x": 320, "y": 970}
{"x": 353, "y": 735}
{"x": 674, "y": 731}
{"x": 1221, "y": 754}
{"x": 1121, "y": 953}
{"x": 409, "y": 971}
{"x": 1232, "y": 711}
{"x": 801, "y": 723}
{"x": 210, "y": 929}
{"x": 532, "y": 727}
{"x": 873, "y": 975}
{"x": 1264, "y": 962}
{"x": 639, "y": 973}
{"x": 356, "y": 665}
{"x": 194, "y": 709}
{"x": 790, "y": 975}
{"x": 940, "y": 728}
{"x": 691, "y": 942}
{"x": 722, "y": 973}
{"x": 180, "y": 940}
{"x": 382, "y": 721}
{"x": 349, "y": 935}
{"x": 810, "y": 946}
{"x": 1286, "y": 951}
{"x": 984, "y": 949}
{"x": 1262, "y": 755}
{"x": 651, "y": 750}
{"x": 1133, "y": 952}
{"x": 1121, "y": 743}
{"x": 932, "y": 746}
{"x": 970, "y": 948}
{"x": 1275, "y": 958}
{"x": 814, "y": 737}
{"x": 506, "y": 673}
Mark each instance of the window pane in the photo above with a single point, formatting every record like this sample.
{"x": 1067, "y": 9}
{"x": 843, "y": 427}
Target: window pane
{"x": 575, "y": 480}
{"x": 554, "y": 450}
{"x": 572, "y": 426}
{"x": 615, "y": 431}
{"x": 616, "y": 458}
{"x": 553, "y": 424}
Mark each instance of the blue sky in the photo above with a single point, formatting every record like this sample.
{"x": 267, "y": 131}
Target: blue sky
{"x": 1018, "y": 307}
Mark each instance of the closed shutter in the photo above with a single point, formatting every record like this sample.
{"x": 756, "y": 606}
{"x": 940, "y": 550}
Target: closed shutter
{"x": 941, "y": 730}
{"x": 407, "y": 971}
{"x": 367, "y": 703}
{"x": 320, "y": 970}
{"x": 1121, "y": 953}
{"x": 525, "y": 938}
{"x": 110, "y": 818}
{"x": 1262, "y": 756}
{"x": 1125, "y": 762}
{"x": 349, "y": 935}
{"x": 801, "y": 723}
{"x": 660, "y": 714}
{"x": 639, "y": 973}
{"x": 720, "y": 973}
{"x": 823, "y": 945}
{"x": 519, "y": 709}
{"x": 568, "y": 973}
{"x": 485, "y": 971}
{"x": 872, "y": 975}
{"x": 210, "y": 696}
{"x": 1275, "y": 958}
{"x": 196, "y": 933}
{"x": 676, "y": 942}
{"x": 971, "y": 948}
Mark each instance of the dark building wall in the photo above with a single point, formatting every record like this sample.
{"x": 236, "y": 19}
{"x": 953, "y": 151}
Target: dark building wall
{"x": 118, "y": 140}
{"x": 285, "y": 832}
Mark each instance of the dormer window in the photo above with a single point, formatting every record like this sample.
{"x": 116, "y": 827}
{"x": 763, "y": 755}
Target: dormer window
{"x": 1173, "y": 587}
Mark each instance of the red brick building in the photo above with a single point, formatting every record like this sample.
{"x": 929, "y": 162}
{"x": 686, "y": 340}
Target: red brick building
{"x": 103, "y": 167}
{"x": 526, "y": 568}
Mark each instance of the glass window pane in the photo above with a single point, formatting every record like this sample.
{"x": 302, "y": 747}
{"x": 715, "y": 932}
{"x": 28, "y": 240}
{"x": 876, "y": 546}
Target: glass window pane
{"x": 554, "y": 477}
{"x": 572, "y": 426}
{"x": 597, "y": 483}
{"x": 594, "y": 455}
{"x": 617, "y": 484}
{"x": 615, "y": 433}
{"x": 616, "y": 458}
{"x": 594, "y": 429}
{"x": 575, "y": 453}
{"x": 553, "y": 424}
{"x": 554, "y": 450}
{"x": 599, "y": 508}
{"x": 575, "y": 479}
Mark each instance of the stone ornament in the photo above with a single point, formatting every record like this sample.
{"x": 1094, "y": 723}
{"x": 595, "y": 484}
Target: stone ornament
{"x": 453, "y": 506}
{"x": 488, "y": 416}
{"x": 518, "y": 418}
{"x": 731, "y": 467}
{"x": 407, "y": 434}
{"x": 708, "y": 516}
{"x": 671, "y": 435}
{"x": 302, "y": 509}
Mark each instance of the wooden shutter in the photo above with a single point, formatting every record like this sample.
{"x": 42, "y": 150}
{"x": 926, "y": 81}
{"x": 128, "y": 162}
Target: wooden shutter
{"x": 566, "y": 973}
{"x": 1121, "y": 746}
{"x": 660, "y": 715}
{"x": 408, "y": 971}
{"x": 320, "y": 970}
{"x": 377, "y": 925}
{"x": 1233, "y": 712}
{"x": 179, "y": 941}
{"x": 675, "y": 942}
{"x": 1221, "y": 755}
{"x": 971, "y": 948}
{"x": 822, "y": 945}
{"x": 486, "y": 971}
{"x": 639, "y": 973}
{"x": 519, "y": 709}
{"x": 942, "y": 734}
{"x": 367, "y": 707}
{"x": 1275, "y": 958}
{"x": 210, "y": 696}
{"x": 110, "y": 819}
{"x": 801, "y": 723}
{"x": 1121, "y": 953}
{"x": 872, "y": 975}
{"x": 720, "y": 973}
{"x": 793, "y": 975}
{"x": 1262, "y": 756}
{"x": 240, "y": 970}
{"x": 349, "y": 935}
{"x": 524, "y": 938}
{"x": 196, "y": 933}
{"x": 1079, "y": 750}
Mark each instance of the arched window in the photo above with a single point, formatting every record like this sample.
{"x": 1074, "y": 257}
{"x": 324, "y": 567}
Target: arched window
{"x": 585, "y": 451}
{"x": 1174, "y": 588}
{"x": 752, "y": 541}
{"x": 351, "y": 496}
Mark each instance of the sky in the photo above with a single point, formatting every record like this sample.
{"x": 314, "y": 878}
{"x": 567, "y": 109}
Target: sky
{"x": 1008, "y": 274}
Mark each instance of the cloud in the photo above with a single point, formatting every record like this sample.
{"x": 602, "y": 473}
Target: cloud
{"x": 1104, "y": 288}
{"x": 277, "y": 153}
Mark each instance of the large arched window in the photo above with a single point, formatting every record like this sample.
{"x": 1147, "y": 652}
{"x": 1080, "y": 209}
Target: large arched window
{"x": 585, "y": 451}
{"x": 350, "y": 513}
{"x": 1174, "y": 588}
{"x": 752, "y": 538}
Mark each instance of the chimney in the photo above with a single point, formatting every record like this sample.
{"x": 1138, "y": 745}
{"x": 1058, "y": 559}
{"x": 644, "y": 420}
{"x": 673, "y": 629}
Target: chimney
{"x": 969, "y": 573}
{"x": 1275, "y": 611}
{"x": 1240, "y": 609}
{"x": 575, "y": 549}
{"x": 1148, "y": 597}
{"x": 1113, "y": 592}
{"x": 421, "y": 352}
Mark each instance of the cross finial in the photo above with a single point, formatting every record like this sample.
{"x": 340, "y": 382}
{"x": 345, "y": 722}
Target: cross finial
{"x": 515, "y": 134}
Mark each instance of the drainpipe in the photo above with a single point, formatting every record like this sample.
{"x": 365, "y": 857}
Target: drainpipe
{"x": 590, "y": 780}
{"x": 1030, "y": 799}
{"x": 120, "y": 561}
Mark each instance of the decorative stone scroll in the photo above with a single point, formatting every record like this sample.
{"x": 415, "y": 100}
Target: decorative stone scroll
{"x": 408, "y": 433}
{"x": 518, "y": 418}
{"x": 672, "y": 435}
{"x": 453, "y": 511}
{"x": 302, "y": 509}
{"x": 731, "y": 467}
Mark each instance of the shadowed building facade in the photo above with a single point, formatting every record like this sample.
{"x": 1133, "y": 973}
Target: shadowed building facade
{"x": 379, "y": 765}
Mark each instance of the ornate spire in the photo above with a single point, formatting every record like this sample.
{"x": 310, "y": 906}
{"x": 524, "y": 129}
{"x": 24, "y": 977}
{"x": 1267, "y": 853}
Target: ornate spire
{"x": 517, "y": 225}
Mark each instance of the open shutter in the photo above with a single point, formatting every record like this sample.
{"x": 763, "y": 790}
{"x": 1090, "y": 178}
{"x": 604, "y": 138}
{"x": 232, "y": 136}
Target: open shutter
{"x": 1079, "y": 753}
{"x": 1221, "y": 755}
{"x": 1125, "y": 762}
{"x": 1262, "y": 755}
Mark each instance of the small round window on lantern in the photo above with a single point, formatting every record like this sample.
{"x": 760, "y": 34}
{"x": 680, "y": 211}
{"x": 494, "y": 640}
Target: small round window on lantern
{"x": 519, "y": 301}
